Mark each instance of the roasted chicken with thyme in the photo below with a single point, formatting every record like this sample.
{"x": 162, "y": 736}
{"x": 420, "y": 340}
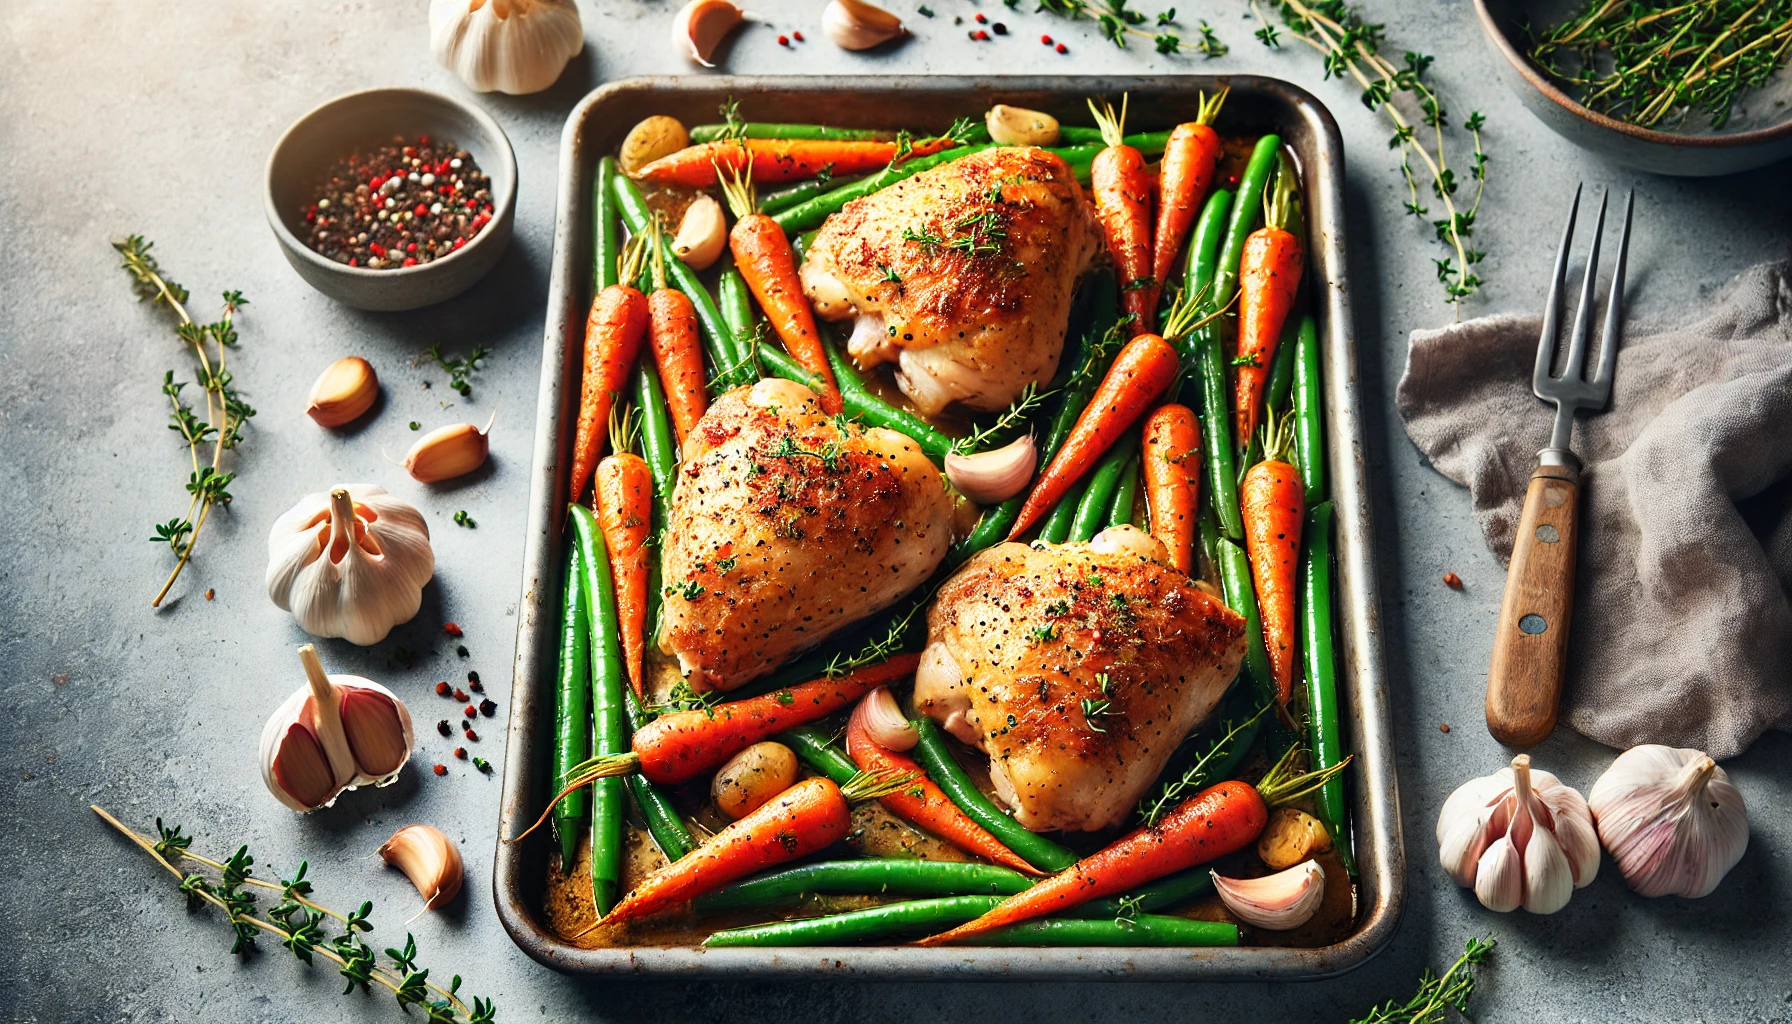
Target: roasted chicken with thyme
{"x": 1077, "y": 668}
{"x": 961, "y": 275}
{"x": 787, "y": 526}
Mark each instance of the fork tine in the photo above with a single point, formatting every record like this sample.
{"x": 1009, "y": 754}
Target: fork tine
{"x": 1614, "y": 311}
{"x": 1552, "y": 312}
{"x": 1583, "y": 316}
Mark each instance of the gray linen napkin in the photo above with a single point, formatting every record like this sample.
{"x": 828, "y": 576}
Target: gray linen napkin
{"x": 1682, "y": 629}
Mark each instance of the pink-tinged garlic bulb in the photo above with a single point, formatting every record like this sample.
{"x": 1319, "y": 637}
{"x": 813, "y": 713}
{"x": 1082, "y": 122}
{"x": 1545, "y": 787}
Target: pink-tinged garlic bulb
{"x": 1671, "y": 820}
{"x": 334, "y": 733}
{"x": 1519, "y": 838}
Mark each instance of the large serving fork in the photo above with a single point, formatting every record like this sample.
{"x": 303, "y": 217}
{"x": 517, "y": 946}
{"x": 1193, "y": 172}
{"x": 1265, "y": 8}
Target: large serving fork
{"x": 1524, "y": 683}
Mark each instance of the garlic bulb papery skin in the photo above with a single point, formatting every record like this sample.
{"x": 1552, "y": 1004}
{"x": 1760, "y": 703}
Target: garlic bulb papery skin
{"x": 350, "y": 563}
{"x": 512, "y": 46}
{"x": 1671, "y": 820}
{"x": 334, "y": 733}
{"x": 1519, "y": 838}
{"x": 1279, "y": 902}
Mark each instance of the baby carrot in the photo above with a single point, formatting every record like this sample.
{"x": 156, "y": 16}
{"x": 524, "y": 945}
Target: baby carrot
{"x": 673, "y": 334}
{"x": 762, "y": 254}
{"x": 1172, "y": 457}
{"x": 1122, "y": 190}
{"x": 1141, "y": 372}
{"x": 1268, "y": 278}
{"x": 613, "y": 334}
{"x": 1273, "y": 502}
{"x": 625, "y": 514}
{"x": 1184, "y": 178}
{"x": 773, "y": 161}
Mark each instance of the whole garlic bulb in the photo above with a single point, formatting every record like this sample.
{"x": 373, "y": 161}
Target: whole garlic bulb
{"x": 350, "y": 563}
{"x": 335, "y": 733}
{"x": 1670, "y": 819}
{"x": 513, "y": 46}
{"x": 1518, "y": 838}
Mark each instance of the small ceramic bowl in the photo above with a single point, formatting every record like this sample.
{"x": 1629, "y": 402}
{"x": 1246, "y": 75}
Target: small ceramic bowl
{"x": 325, "y": 135}
{"x": 1762, "y": 138}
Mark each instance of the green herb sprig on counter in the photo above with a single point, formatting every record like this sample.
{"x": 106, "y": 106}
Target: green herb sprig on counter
{"x": 1117, "y": 21}
{"x": 1437, "y": 993}
{"x": 1352, "y": 46}
{"x": 299, "y": 924}
{"x": 1641, "y": 63}
{"x": 225, "y": 411}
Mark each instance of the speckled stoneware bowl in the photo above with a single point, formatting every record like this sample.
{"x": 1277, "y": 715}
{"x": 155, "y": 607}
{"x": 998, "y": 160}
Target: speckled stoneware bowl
{"x": 1759, "y": 132}
{"x": 325, "y": 135}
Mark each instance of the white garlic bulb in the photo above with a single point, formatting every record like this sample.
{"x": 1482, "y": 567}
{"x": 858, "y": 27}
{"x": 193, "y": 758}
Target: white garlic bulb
{"x": 350, "y": 563}
{"x": 513, "y": 46}
{"x": 1670, "y": 819}
{"x": 335, "y": 733}
{"x": 1519, "y": 838}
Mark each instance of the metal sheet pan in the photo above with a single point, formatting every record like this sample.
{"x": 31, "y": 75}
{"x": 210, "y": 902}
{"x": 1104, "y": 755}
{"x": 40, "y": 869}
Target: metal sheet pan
{"x": 1256, "y": 104}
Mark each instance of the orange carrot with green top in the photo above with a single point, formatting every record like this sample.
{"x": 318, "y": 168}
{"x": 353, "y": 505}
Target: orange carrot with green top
{"x": 1268, "y": 278}
{"x": 1273, "y": 501}
{"x": 920, "y": 802}
{"x": 613, "y": 334}
{"x": 762, "y": 255}
{"x": 1171, "y": 454}
{"x": 676, "y": 348}
{"x": 1122, "y": 190}
{"x": 625, "y": 515}
{"x": 774, "y": 161}
{"x": 1185, "y": 175}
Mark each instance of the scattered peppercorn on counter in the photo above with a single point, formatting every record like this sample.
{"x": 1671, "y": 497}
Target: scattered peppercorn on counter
{"x": 897, "y": 829}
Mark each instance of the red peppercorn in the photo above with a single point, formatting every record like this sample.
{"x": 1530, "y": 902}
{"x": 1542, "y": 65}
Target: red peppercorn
{"x": 460, "y": 695}
{"x": 421, "y": 210}
{"x": 1445, "y": 727}
{"x": 376, "y": 248}
{"x": 440, "y": 769}
{"x": 981, "y": 20}
{"x": 783, "y": 40}
{"x": 409, "y": 261}
{"x": 472, "y": 736}
{"x": 1063, "y": 49}
{"x": 470, "y": 711}
{"x": 452, "y": 629}
{"x": 981, "y": 36}
{"x": 443, "y": 688}
{"x": 411, "y": 247}
{"x": 1453, "y": 581}
{"x": 460, "y": 752}
{"x": 1047, "y": 40}
{"x": 798, "y": 36}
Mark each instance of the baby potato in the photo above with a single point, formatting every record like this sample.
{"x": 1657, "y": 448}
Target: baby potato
{"x": 752, "y": 777}
{"x": 653, "y": 138}
{"x": 1290, "y": 837}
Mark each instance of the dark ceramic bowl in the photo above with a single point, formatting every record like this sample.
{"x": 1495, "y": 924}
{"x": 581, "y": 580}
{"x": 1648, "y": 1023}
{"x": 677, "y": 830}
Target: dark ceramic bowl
{"x": 1760, "y": 137}
{"x": 316, "y": 141}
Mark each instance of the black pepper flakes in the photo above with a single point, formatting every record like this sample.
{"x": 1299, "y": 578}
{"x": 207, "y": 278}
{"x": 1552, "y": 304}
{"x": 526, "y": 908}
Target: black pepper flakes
{"x": 444, "y": 728}
{"x": 488, "y": 706}
{"x": 474, "y": 683}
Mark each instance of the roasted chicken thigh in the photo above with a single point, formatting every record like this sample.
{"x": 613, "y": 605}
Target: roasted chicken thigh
{"x": 1077, "y": 668}
{"x": 961, "y": 275}
{"x": 787, "y": 525}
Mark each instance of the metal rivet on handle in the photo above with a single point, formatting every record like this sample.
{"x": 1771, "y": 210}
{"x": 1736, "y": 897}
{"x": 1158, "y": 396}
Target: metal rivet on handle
{"x": 1532, "y": 624}
{"x": 1548, "y": 535}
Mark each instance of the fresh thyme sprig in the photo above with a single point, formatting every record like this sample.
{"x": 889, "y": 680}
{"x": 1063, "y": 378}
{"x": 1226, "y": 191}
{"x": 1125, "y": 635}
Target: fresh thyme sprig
{"x": 1099, "y": 707}
{"x": 1436, "y": 994}
{"x": 225, "y": 411}
{"x": 1351, "y": 46}
{"x": 299, "y": 923}
{"x": 460, "y": 371}
{"x": 1641, "y": 62}
{"x": 880, "y": 650}
{"x": 1152, "y": 809}
{"x": 1017, "y": 413}
{"x": 1118, "y": 21}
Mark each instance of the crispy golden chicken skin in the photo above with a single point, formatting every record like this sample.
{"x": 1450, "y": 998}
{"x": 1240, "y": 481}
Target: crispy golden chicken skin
{"x": 961, "y": 275}
{"x": 1078, "y": 668}
{"x": 787, "y": 525}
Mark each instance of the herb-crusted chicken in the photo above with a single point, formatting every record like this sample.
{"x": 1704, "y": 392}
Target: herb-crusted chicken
{"x": 961, "y": 275}
{"x": 1078, "y": 668}
{"x": 786, "y": 526}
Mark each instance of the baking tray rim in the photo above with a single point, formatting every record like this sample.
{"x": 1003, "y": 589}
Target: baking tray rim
{"x": 1380, "y": 851}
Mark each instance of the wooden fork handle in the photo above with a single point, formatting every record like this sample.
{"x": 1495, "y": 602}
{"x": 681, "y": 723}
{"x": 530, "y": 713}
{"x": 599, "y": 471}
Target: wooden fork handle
{"x": 1530, "y": 651}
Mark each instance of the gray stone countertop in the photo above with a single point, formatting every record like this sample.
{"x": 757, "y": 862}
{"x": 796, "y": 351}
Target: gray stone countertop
{"x": 156, "y": 118}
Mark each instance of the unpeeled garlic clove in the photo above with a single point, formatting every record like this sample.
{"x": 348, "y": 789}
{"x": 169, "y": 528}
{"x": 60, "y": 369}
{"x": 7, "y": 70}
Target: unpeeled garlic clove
{"x": 334, "y": 733}
{"x": 857, "y": 25}
{"x": 345, "y": 390}
{"x": 1278, "y": 902}
{"x": 884, "y": 723}
{"x": 993, "y": 476}
{"x": 448, "y": 452}
{"x": 376, "y": 736}
{"x": 1671, "y": 819}
{"x": 1018, "y": 126}
{"x": 429, "y": 859}
{"x": 701, "y": 25}
{"x": 702, "y": 233}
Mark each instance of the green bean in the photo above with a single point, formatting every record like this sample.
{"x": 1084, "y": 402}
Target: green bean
{"x": 1164, "y": 892}
{"x": 664, "y": 822}
{"x": 1078, "y": 135}
{"x": 801, "y": 244}
{"x": 1281, "y": 368}
{"x": 1092, "y": 511}
{"x": 1141, "y": 930}
{"x": 658, "y": 444}
{"x": 1091, "y": 367}
{"x": 1235, "y": 574}
{"x": 1324, "y": 728}
{"x": 1245, "y": 211}
{"x": 1126, "y": 495}
{"x": 774, "y": 130}
{"x": 572, "y": 713}
{"x": 785, "y": 198}
{"x": 946, "y": 773}
{"x": 736, "y": 304}
{"x": 1309, "y": 410}
{"x": 1216, "y": 418}
{"x": 716, "y": 339}
{"x": 858, "y": 399}
{"x": 865, "y": 878}
{"x": 918, "y": 917}
{"x": 609, "y": 728}
{"x": 816, "y": 748}
{"x": 606, "y": 233}
{"x": 1057, "y": 525}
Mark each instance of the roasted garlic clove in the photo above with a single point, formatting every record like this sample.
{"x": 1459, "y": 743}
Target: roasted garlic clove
{"x": 702, "y": 233}
{"x": 1018, "y": 126}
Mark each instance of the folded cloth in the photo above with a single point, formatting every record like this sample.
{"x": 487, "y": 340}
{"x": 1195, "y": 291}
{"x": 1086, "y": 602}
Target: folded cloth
{"x": 1682, "y": 628}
